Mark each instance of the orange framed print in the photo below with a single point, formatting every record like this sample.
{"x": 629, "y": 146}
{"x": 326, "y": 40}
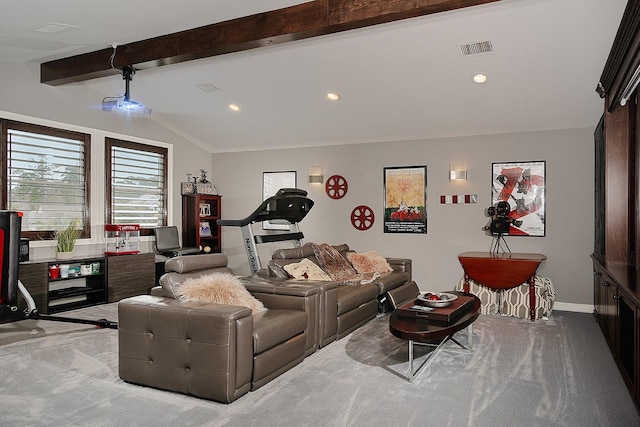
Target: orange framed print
{"x": 405, "y": 199}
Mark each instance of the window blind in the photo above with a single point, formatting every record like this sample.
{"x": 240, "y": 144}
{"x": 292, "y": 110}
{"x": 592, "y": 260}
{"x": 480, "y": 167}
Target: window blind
{"x": 45, "y": 179}
{"x": 137, "y": 177}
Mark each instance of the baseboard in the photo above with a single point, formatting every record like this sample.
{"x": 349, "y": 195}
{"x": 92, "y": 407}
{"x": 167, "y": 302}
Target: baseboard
{"x": 569, "y": 306}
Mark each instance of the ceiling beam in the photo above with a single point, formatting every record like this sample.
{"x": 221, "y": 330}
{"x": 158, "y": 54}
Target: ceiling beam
{"x": 315, "y": 18}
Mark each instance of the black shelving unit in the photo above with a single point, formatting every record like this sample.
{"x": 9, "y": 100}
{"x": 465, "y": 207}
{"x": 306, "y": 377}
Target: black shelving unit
{"x": 79, "y": 291}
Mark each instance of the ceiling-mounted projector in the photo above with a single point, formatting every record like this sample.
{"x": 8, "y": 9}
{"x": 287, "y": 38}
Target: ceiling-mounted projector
{"x": 124, "y": 103}
{"x": 128, "y": 107}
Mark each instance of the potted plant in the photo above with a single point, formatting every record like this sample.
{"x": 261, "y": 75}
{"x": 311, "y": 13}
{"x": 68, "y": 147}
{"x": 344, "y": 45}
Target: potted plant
{"x": 66, "y": 239}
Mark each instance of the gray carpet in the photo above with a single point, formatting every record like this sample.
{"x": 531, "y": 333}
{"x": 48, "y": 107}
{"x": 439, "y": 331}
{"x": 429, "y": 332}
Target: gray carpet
{"x": 553, "y": 373}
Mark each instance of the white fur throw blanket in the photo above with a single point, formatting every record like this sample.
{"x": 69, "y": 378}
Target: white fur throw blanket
{"x": 219, "y": 288}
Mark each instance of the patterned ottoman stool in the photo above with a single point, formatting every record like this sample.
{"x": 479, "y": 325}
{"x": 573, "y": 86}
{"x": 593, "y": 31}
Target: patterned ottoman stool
{"x": 489, "y": 298}
{"x": 514, "y": 302}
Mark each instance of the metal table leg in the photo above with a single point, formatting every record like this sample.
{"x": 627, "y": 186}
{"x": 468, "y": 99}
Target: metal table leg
{"x": 434, "y": 353}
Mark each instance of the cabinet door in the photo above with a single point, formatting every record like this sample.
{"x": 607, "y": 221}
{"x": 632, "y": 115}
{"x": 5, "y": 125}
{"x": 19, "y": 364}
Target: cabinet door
{"x": 34, "y": 277}
{"x": 599, "y": 302}
{"x": 637, "y": 358}
{"x": 627, "y": 334}
{"x": 130, "y": 275}
{"x": 611, "y": 317}
{"x": 599, "y": 190}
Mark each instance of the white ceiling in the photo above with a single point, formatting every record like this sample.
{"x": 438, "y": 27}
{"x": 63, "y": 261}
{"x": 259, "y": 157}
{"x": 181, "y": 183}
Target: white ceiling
{"x": 398, "y": 81}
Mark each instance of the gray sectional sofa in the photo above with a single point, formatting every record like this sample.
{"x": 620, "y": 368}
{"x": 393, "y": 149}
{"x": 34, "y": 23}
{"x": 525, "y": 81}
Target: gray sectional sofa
{"x": 221, "y": 352}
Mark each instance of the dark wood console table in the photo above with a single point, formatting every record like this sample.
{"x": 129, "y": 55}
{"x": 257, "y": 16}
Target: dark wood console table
{"x": 502, "y": 271}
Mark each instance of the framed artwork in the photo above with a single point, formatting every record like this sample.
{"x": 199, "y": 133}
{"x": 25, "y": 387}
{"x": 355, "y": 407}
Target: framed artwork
{"x": 522, "y": 185}
{"x": 205, "y": 229}
{"x": 271, "y": 183}
{"x": 405, "y": 199}
{"x": 205, "y": 209}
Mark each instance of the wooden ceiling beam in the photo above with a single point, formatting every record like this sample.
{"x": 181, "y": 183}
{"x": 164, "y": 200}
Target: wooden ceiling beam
{"x": 315, "y": 18}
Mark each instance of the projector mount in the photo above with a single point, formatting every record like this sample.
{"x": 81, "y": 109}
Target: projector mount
{"x": 127, "y": 73}
{"x": 125, "y": 104}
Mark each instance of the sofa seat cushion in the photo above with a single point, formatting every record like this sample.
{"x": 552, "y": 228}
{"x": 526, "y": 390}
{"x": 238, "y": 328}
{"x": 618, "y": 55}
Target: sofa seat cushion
{"x": 350, "y": 297}
{"x": 393, "y": 280}
{"x": 276, "y": 326}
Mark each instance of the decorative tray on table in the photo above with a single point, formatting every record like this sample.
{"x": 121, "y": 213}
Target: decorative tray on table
{"x": 436, "y": 299}
{"x": 455, "y": 307}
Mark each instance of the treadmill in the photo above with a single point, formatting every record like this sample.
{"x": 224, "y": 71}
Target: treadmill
{"x": 288, "y": 206}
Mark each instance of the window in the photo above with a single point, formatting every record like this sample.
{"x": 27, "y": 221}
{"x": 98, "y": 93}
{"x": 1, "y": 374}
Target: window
{"x": 46, "y": 177}
{"x": 136, "y": 184}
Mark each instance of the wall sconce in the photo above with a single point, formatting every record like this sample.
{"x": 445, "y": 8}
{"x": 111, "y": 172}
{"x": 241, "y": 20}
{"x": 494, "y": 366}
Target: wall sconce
{"x": 457, "y": 175}
{"x": 316, "y": 175}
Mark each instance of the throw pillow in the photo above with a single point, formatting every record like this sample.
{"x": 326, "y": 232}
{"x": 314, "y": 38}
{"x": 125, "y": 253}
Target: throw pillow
{"x": 306, "y": 269}
{"x": 219, "y": 288}
{"x": 369, "y": 262}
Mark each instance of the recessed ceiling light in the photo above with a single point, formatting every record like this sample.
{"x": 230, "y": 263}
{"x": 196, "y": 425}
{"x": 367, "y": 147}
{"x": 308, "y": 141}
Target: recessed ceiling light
{"x": 480, "y": 78}
{"x": 234, "y": 107}
{"x": 333, "y": 96}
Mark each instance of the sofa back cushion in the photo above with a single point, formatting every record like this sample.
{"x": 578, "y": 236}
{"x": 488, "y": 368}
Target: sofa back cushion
{"x": 369, "y": 262}
{"x": 333, "y": 262}
{"x": 184, "y": 264}
{"x": 306, "y": 270}
{"x": 182, "y": 268}
{"x": 304, "y": 251}
{"x": 283, "y": 257}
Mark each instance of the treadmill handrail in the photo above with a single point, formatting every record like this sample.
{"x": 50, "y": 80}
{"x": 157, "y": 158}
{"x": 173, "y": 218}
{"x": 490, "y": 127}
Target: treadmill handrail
{"x": 268, "y": 210}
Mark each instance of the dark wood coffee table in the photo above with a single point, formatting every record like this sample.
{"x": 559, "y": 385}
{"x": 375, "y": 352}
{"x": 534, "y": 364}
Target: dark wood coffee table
{"x": 422, "y": 331}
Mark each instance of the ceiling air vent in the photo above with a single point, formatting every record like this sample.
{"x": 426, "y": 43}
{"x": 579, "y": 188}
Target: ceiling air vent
{"x": 207, "y": 87}
{"x": 54, "y": 28}
{"x": 475, "y": 48}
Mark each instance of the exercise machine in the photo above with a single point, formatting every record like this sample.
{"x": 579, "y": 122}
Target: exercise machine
{"x": 288, "y": 206}
{"x": 10, "y": 285}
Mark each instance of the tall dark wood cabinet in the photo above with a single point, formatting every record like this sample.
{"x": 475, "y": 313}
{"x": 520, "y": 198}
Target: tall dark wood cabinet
{"x": 617, "y": 202}
{"x": 200, "y": 213}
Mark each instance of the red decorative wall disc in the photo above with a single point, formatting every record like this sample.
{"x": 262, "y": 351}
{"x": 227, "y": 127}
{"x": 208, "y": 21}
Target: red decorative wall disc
{"x": 362, "y": 217}
{"x": 336, "y": 187}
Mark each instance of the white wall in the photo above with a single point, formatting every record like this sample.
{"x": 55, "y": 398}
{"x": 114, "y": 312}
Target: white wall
{"x": 451, "y": 228}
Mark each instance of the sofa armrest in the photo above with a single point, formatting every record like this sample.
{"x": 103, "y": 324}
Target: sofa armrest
{"x": 307, "y": 296}
{"x": 401, "y": 264}
{"x": 272, "y": 285}
{"x": 194, "y": 348}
